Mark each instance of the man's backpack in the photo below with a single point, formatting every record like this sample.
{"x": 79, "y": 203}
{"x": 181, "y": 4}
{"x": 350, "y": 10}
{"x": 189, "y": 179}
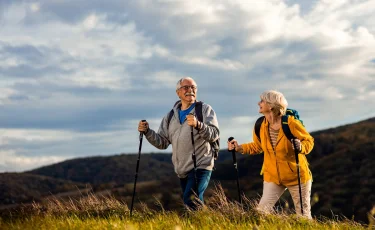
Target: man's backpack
{"x": 284, "y": 123}
{"x": 215, "y": 146}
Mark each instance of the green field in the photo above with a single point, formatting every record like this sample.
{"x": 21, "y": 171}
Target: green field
{"x": 103, "y": 212}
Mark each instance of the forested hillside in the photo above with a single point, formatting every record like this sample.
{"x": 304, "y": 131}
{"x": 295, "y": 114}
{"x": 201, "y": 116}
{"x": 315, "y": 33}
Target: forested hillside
{"x": 342, "y": 163}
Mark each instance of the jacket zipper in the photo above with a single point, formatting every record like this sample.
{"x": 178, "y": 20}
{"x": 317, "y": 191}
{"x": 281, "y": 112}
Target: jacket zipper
{"x": 179, "y": 134}
{"x": 274, "y": 152}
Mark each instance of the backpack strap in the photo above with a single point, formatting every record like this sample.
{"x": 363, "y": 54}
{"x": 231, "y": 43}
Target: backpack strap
{"x": 285, "y": 127}
{"x": 170, "y": 115}
{"x": 257, "y": 125}
{"x": 198, "y": 112}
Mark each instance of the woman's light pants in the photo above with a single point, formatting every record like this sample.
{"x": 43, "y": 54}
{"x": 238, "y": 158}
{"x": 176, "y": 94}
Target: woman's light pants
{"x": 272, "y": 192}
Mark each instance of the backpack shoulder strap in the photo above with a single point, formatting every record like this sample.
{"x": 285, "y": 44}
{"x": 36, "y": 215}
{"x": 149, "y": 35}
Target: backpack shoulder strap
{"x": 199, "y": 113}
{"x": 285, "y": 127}
{"x": 257, "y": 125}
{"x": 170, "y": 114}
{"x": 198, "y": 110}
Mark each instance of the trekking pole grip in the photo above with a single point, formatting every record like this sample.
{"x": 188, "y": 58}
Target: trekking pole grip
{"x": 141, "y": 133}
{"x": 233, "y": 152}
{"x": 295, "y": 151}
{"x": 236, "y": 168}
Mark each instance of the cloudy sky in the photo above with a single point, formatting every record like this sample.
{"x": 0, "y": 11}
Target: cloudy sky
{"x": 76, "y": 76}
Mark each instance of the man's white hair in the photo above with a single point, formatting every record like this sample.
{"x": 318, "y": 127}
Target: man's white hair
{"x": 183, "y": 79}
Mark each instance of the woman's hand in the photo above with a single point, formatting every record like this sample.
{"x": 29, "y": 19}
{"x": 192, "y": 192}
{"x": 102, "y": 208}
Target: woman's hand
{"x": 297, "y": 143}
{"x": 233, "y": 144}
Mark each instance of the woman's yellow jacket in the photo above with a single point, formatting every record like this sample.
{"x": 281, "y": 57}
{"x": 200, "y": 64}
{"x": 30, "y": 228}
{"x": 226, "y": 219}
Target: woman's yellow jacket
{"x": 279, "y": 165}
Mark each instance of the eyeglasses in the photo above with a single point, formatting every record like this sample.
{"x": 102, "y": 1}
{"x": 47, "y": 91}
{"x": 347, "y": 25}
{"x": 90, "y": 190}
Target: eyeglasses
{"x": 186, "y": 87}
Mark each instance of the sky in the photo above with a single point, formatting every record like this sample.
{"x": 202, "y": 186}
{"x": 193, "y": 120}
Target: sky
{"x": 76, "y": 76}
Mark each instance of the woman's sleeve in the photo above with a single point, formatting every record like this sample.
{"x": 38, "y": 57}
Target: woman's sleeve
{"x": 252, "y": 147}
{"x": 299, "y": 131}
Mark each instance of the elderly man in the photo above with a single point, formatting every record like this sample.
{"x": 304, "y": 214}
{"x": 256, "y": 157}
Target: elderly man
{"x": 177, "y": 129}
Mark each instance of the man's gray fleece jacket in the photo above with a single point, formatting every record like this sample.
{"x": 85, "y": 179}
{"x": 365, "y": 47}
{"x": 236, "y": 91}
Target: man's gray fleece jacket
{"x": 179, "y": 135}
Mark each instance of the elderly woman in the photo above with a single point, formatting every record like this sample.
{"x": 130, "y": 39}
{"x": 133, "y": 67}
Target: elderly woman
{"x": 279, "y": 166}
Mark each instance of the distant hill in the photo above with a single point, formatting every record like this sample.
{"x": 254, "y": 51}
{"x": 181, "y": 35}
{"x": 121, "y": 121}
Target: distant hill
{"x": 343, "y": 166}
{"x": 342, "y": 163}
{"x": 118, "y": 169}
{"x": 16, "y": 188}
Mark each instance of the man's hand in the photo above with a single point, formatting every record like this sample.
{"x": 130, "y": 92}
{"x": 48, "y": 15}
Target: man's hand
{"x": 143, "y": 126}
{"x": 191, "y": 120}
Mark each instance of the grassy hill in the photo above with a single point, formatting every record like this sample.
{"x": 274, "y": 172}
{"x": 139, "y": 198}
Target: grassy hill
{"x": 105, "y": 212}
{"x": 342, "y": 163}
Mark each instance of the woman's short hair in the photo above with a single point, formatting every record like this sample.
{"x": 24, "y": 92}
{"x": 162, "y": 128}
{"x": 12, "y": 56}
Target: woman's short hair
{"x": 276, "y": 100}
{"x": 183, "y": 79}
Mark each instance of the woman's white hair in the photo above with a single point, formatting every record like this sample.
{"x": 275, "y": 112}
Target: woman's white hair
{"x": 276, "y": 100}
{"x": 183, "y": 79}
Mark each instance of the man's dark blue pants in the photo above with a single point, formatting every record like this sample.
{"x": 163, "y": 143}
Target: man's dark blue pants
{"x": 188, "y": 186}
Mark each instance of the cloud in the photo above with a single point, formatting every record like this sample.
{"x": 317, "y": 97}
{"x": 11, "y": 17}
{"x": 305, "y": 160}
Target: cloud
{"x": 11, "y": 162}
{"x": 77, "y": 76}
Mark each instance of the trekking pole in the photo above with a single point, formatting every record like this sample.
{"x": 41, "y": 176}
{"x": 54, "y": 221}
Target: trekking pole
{"x": 299, "y": 179}
{"x": 136, "y": 170}
{"x": 235, "y": 166}
{"x": 194, "y": 158}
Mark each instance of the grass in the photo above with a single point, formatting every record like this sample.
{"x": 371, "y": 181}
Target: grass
{"x": 105, "y": 212}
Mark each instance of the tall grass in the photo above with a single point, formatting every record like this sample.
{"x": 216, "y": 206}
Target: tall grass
{"x": 105, "y": 212}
